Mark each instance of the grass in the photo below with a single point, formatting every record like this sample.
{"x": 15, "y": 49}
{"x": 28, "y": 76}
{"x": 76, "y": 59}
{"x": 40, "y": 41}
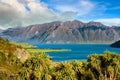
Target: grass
{"x": 41, "y": 67}
{"x": 22, "y": 44}
{"x": 33, "y": 49}
{"x": 43, "y": 50}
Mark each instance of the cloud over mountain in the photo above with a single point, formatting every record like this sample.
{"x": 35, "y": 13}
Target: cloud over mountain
{"x": 25, "y": 12}
{"x": 15, "y": 13}
{"x": 110, "y": 21}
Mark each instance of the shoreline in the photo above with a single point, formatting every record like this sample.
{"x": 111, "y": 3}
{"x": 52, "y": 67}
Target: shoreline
{"x": 44, "y": 50}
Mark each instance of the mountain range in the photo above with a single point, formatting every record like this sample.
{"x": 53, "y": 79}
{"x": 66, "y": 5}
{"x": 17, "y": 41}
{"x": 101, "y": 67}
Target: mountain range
{"x": 64, "y": 32}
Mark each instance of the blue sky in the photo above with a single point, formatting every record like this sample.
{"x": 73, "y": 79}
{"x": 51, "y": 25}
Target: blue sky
{"x": 26, "y": 12}
{"x": 100, "y": 9}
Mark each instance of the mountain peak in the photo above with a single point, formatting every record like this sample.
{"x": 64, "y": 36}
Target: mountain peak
{"x": 92, "y": 23}
{"x": 77, "y": 21}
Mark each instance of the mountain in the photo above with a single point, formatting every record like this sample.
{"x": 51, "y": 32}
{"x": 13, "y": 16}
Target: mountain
{"x": 64, "y": 32}
{"x": 1, "y": 30}
{"x": 116, "y": 44}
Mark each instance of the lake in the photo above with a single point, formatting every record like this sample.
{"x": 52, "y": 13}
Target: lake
{"x": 78, "y": 51}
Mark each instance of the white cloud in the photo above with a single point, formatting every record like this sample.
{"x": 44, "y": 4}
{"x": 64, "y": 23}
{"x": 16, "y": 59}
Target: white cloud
{"x": 110, "y": 21}
{"x": 39, "y": 12}
{"x": 82, "y": 7}
{"x": 66, "y": 8}
{"x": 11, "y": 13}
{"x": 14, "y": 13}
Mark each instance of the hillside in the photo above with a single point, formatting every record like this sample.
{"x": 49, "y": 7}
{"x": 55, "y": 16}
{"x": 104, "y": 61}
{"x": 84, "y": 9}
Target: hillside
{"x": 8, "y": 48}
{"x": 64, "y": 32}
{"x": 116, "y": 44}
{"x": 39, "y": 66}
{"x": 11, "y": 59}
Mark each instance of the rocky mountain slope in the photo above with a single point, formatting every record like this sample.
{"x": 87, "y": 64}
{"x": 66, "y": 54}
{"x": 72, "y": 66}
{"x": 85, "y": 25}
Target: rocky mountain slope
{"x": 64, "y": 32}
{"x": 1, "y": 30}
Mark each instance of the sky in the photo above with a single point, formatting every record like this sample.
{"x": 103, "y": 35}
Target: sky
{"x": 17, "y": 13}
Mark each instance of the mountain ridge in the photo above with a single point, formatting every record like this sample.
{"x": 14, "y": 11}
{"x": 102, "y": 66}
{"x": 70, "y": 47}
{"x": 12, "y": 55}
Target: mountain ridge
{"x": 64, "y": 32}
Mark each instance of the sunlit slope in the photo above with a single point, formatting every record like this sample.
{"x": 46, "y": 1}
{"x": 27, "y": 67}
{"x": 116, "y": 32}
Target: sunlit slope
{"x": 15, "y": 66}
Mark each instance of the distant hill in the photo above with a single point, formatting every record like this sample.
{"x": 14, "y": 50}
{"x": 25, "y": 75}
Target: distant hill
{"x": 64, "y": 32}
{"x": 116, "y": 44}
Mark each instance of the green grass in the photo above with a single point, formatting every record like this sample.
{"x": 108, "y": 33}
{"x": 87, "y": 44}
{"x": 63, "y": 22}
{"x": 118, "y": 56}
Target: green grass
{"x": 43, "y": 50}
{"x": 33, "y": 49}
{"x": 40, "y": 66}
{"x": 22, "y": 44}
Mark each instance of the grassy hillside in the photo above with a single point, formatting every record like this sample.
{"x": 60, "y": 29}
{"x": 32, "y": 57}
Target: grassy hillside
{"x": 11, "y": 49}
{"x": 16, "y": 63}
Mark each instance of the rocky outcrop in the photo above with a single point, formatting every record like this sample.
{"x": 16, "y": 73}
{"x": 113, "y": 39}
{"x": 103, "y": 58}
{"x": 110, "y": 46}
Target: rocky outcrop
{"x": 22, "y": 54}
{"x": 64, "y": 32}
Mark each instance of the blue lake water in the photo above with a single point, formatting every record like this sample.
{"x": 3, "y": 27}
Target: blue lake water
{"x": 78, "y": 51}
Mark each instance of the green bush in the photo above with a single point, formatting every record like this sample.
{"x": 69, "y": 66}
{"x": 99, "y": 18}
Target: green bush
{"x": 39, "y": 66}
